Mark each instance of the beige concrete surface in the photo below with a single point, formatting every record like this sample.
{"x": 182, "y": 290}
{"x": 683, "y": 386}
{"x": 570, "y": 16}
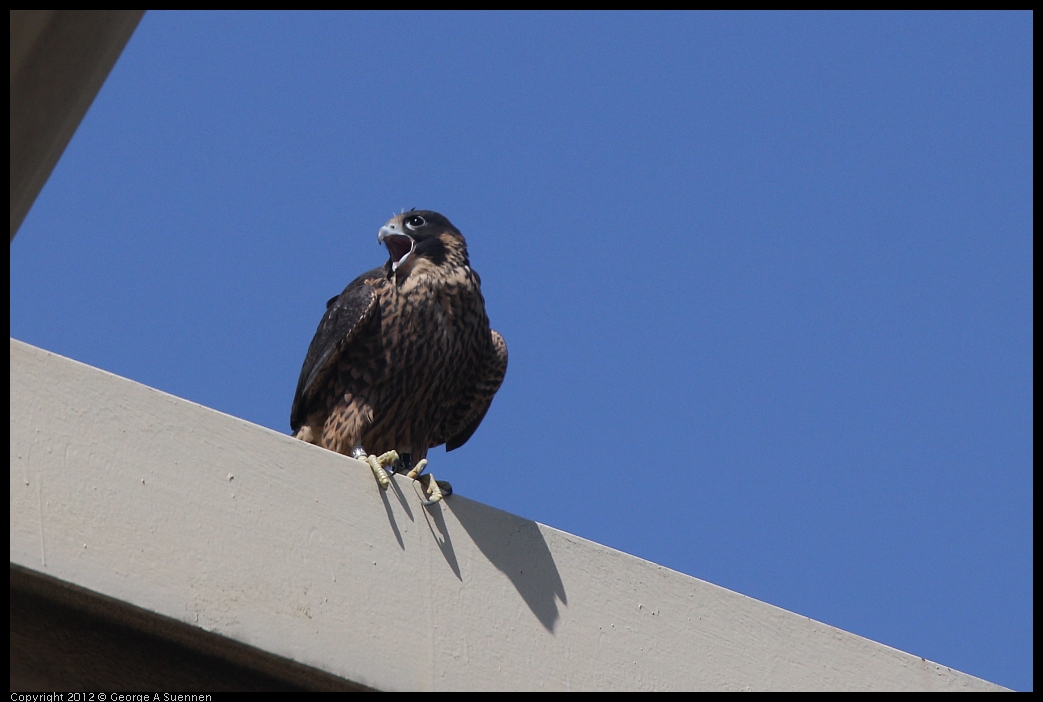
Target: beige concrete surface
{"x": 211, "y": 521}
{"x": 59, "y": 61}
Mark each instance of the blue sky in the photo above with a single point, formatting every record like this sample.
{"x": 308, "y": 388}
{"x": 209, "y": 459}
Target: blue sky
{"x": 765, "y": 279}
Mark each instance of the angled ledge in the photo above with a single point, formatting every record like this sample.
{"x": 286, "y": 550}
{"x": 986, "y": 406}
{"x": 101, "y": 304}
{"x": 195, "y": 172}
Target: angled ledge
{"x": 59, "y": 60}
{"x": 223, "y": 538}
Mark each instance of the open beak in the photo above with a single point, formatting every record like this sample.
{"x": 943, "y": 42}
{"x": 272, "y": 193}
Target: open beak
{"x": 400, "y": 245}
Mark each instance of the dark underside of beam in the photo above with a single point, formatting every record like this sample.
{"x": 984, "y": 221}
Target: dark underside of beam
{"x": 64, "y": 638}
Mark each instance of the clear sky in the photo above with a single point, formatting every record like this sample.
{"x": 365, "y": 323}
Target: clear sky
{"x": 765, "y": 279}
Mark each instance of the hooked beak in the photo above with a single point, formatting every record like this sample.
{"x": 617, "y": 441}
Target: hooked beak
{"x": 400, "y": 245}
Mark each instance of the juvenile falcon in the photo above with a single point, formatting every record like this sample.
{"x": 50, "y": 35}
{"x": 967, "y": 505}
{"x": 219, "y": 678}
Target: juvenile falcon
{"x": 404, "y": 359}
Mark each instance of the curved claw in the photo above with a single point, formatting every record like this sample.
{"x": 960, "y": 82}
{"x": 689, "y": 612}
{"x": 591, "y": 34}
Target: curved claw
{"x": 417, "y": 469}
{"x": 432, "y": 489}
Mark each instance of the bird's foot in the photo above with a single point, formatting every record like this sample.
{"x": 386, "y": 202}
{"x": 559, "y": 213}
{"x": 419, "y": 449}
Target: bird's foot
{"x": 434, "y": 489}
{"x": 306, "y": 434}
{"x": 377, "y": 463}
{"x": 416, "y": 470}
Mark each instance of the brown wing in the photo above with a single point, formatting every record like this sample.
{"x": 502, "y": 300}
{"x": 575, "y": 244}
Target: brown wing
{"x": 345, "y": 315}
{"x": 469, "y": 413}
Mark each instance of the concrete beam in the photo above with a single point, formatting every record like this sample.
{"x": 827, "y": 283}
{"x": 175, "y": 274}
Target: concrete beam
{"x": 142, "y": 502}
{"x": 59, "y": 60}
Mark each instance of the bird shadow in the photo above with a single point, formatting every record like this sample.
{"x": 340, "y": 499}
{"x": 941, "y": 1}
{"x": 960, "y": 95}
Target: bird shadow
{"x": 391, "y": 519}
{"x": 445, "y": 543}
{"x": 402, "y": 499}
{"x": 516, "y": 547}
{"x": 391, "y": 513}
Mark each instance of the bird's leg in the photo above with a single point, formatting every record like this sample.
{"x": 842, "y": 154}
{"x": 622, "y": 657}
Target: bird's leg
{"x": 306, "y": 434}
{"x": 435, "y": 490}
{"x": 376, "y": 463}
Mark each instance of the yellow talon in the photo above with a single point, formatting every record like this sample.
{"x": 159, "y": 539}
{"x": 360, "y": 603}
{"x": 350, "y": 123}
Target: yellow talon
{"x": 377, "y": 463}
{"x": 388, "y": 458}
{"x": 436, "y": 492}
{"x": 431, "y": 488}
{"x": 378, "y": 471}
{"x": 417, "y": 469}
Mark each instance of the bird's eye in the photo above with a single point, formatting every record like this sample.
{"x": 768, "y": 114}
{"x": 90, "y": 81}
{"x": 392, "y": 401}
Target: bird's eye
{"x": 415, "y": 221}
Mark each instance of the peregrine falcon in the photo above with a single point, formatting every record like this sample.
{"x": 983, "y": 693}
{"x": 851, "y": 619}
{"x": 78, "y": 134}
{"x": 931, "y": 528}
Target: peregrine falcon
{"x": 404, "y": 359}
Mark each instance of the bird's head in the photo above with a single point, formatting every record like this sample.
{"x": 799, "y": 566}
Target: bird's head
{"x": 421, "y": 238}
